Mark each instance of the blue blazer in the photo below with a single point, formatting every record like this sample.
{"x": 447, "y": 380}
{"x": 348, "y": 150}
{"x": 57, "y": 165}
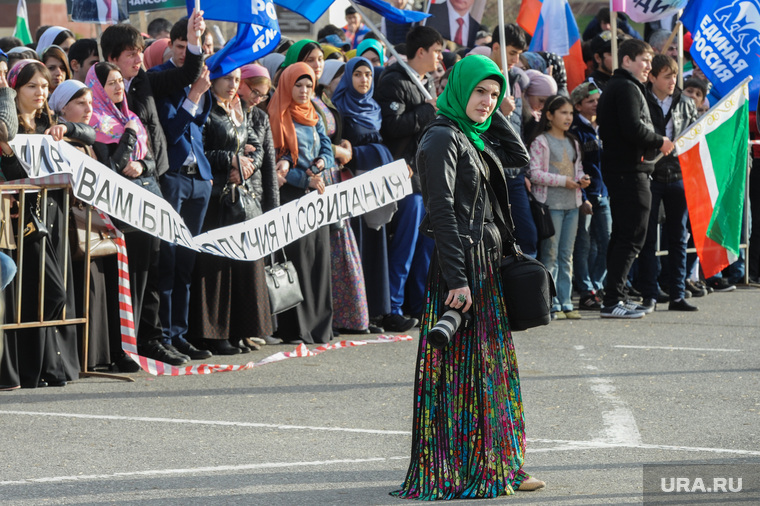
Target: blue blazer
{"x": 183, "y": 132}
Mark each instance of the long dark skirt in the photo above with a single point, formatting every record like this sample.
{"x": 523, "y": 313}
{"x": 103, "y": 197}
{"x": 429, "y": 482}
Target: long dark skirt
{"x": 99, "y": 351}
{"x": 228, "y": 299}
{"x": 373, "y": 249}
{"x": 468, "y": 435}
{"x": 312, "y": 320}
{"x": 49, "y": 353}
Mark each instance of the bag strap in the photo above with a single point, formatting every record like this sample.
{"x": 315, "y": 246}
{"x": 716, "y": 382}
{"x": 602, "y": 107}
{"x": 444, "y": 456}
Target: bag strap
{"x": 505, "y": 226}
{"x": 273, "y": 256}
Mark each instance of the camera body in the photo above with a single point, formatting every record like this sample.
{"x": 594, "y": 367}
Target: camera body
{"x": 448, "y": 324}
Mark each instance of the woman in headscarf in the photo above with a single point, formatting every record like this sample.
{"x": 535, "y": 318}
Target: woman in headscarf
{"x": 157, "y": 53}
{"x": 468, "y": 435}
{"x": 72, "y": 101}
{"x": 541, "y": 87}
{"x": 373, "y": 50}
{"x": 303, "y": 153}
{"x": 330, "y": 77}
{"x": 57, "y": 64}
{"x": 122, "y": 144}
{"x": 43, "y": 356}
{"x": 347, "y": 276}
{"x": 58, "y": 36}
{"x": 362, "y": 120}
{"x": 229, "y": 301}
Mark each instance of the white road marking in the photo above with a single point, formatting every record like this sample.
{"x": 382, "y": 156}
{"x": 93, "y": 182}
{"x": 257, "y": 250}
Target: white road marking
{"x": 619, "y": 422}
{"x": 202, "y": 422}
{"x": 674, "y": 348}
{"x": 565, "y": 445}
{"x": 192, "y": 470}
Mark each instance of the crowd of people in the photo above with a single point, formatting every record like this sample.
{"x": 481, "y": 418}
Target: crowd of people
{"x": 496, "y": 139}
{"x": 315, "y": 112}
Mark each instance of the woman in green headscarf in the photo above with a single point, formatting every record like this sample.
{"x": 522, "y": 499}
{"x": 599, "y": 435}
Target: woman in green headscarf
{"x": 468, "y": 435}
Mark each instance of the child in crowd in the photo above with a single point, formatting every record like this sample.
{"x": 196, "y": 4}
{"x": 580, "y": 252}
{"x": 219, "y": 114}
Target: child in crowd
{"x": 696, "y": 89}
{"x": 556, "y": 173}
{"x": 671, "y": 114}
{"x": 595, "y": 219}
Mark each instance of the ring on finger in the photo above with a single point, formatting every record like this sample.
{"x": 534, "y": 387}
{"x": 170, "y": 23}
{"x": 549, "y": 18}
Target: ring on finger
{"x": 461, "y": 298}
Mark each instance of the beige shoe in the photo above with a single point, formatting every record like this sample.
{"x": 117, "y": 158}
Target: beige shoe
{"x": 531, "y": 485}
{"x": 573, "y": 315}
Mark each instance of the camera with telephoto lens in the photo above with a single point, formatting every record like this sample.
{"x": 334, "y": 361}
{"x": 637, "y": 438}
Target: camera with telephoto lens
{"x": 448, "y": 325}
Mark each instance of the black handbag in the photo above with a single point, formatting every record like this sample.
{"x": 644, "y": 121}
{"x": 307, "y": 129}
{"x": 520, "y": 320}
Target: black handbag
{"x": 283, "y": 285}
{"x": 528, "y": 290}
{"x": 35, "y": 229}
{"x": 237, "y": 203}
{"x": 542, "y": 217}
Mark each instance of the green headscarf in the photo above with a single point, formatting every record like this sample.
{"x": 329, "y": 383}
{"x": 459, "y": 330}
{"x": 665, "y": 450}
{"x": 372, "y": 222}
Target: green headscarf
{"x": 452, "y": 103}
{"x": 374, "y": 45}
{"x": 293, "y": 51}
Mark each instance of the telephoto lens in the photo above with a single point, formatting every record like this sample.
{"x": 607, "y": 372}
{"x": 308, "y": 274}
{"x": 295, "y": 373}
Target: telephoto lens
{"x": 440, "y": 335}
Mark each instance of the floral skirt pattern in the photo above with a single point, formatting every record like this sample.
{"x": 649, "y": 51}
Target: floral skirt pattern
{"x": 348, "y": 291}
{"x": 468, "y": 438}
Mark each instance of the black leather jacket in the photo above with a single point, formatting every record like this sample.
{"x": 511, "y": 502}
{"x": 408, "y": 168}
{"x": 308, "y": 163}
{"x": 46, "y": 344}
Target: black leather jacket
{"x": 452, "y": 175}
{"x": 264, "y": 179}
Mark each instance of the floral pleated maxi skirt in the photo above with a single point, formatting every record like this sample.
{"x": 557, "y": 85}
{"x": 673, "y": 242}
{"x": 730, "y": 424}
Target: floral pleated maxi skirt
{"x": 468, "y": 437}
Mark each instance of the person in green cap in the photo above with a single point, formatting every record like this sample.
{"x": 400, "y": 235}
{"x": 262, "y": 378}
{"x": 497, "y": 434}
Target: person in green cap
{"x": 468, "y": 433}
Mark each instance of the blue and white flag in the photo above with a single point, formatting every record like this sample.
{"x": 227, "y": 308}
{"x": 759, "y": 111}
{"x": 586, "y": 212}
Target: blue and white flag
{"x": 313, "y": 9}
{"x": 254, "y": 12}
{"x": 250, "y": 43}
{"x": 726, "y": 43}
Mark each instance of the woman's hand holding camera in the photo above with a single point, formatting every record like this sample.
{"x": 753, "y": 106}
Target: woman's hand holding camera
{"x": 459, "y": 298}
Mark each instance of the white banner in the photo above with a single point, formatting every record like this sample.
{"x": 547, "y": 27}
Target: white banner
{"x": 117, "y": 196}
{"x": 643, "y": 11}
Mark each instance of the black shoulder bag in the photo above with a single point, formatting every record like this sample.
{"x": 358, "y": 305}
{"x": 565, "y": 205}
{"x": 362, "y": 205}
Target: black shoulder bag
{"x": 527, "y": 284}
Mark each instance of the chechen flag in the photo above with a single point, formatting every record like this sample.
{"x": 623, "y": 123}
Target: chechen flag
{"x": 552, "y": 26}
{"x": 713, "y": 157}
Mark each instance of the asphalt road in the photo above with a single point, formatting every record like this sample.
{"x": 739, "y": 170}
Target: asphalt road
{"x": 602, "y": 399}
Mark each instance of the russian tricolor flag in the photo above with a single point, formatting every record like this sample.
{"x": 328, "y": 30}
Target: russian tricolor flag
{"x": 552, "y": 25}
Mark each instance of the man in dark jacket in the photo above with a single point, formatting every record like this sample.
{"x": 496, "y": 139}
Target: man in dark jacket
{"x": 630, "y": 144}
{"x": 123, "y": 45}
{"x": 405, "y": 113}
{"x": 186, "y": 186}
{"x": 671, "y": 113}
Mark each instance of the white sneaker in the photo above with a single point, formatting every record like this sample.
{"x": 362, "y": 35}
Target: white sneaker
{"x": 620, "y": 310}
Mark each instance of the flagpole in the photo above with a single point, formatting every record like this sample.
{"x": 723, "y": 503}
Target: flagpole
{"x": 613, "y": 29}
{"x": 427, "y": 11}
{"x": 503, "y": 48}
{"x": 412, "y": 74}
{"x": 680, "y": 50}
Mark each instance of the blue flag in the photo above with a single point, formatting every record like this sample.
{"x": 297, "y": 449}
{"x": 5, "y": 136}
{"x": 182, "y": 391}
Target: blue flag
{"x": 255, "y": 12}
{"x": 726, "y": 43}
{"x": 250, "y": 43}
{"x": 313, "y": 9}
